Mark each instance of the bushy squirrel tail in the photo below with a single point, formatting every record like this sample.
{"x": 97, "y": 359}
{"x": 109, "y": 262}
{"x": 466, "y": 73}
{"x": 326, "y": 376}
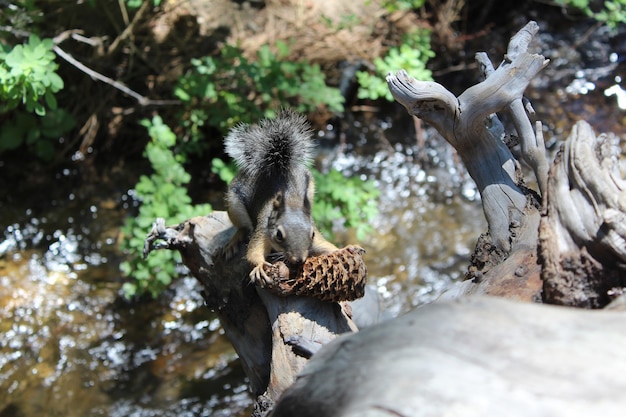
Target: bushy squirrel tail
{"x": 274, "y": 147}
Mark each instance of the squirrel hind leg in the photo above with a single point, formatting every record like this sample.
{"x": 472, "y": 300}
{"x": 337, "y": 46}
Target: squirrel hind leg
{"x": 239, "y": 217}
{"x": 232, "y": 247}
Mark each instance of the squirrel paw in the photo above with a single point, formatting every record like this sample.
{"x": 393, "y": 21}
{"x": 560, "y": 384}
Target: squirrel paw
{"x": 258, "y": 275}
{"x": 230, "y": 250}
{"x": 232, "y": 247}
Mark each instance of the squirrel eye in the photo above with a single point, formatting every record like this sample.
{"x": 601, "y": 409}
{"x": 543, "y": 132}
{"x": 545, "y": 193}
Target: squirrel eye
{"x": 312, "y": 234}
{"x": 279, "y": 236}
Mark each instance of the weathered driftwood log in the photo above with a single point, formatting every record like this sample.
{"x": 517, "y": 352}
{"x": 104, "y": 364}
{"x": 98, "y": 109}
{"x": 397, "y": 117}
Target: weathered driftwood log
{"x": 273, "y": 335}
{"x": 583, "y": 232}
{"x": 477, "y": 356}
{"x": 505, "y": 260}
{"x": 469, "y": 124}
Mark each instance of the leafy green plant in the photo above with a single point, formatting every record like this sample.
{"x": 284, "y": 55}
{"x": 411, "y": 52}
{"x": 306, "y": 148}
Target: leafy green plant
{"x": 345, "y": 202}
{"x": 162, "y": 194}
{"x": 613, "y": 13}
{"x": 28, "y": 83}
{"x": 28, "y": 76}
{"x": 225, "y": 90}
{"x": 412, "y": 56}
{"x": 395, "y": 5}
{"x": 38, "y": 133}
{"x": 225, "y": 171}
{"x": 134, "y": 4}
{"x": 346, "y": 21}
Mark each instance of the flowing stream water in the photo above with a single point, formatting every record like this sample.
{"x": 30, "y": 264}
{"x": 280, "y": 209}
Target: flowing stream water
{"x": 70, "y": 345}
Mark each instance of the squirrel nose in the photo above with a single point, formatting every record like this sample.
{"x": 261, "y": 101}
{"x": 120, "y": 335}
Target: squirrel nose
{"x": 298, "y": 258}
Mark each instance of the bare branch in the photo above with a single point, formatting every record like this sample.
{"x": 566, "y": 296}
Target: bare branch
{"x": 144, "y": 101}
{"x": 128, "y": 31}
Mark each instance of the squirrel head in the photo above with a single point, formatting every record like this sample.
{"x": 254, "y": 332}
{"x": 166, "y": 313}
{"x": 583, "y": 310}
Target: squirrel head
{"x": 291, "y": 230}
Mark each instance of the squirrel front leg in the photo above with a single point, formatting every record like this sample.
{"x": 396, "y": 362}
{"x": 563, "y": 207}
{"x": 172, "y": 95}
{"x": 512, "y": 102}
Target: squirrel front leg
{"x": 258, "y": 248}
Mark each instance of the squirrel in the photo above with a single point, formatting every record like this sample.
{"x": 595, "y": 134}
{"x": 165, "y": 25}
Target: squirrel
{"x": 271, "y": 197}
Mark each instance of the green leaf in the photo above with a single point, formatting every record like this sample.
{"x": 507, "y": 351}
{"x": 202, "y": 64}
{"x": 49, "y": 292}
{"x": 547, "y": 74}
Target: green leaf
{"x": 181, "y": 94}
{"x": 15, "y": 58}
{"x": 145, "y": 186}
{"x": 51, "y": 102}
{"x": 44, "y": 149}
{"x": 142, "y": 274}
{"x": 11, "y": 136}
{"x": 40, "y": 110}
{"x": 32, "y": 134}
{"x": 134, "y": 4}
{"x": 163, "y": 277}
{"x": 55, "y": 82}
{"x": 56, "y": 123}
{"x": 129, "y": 290}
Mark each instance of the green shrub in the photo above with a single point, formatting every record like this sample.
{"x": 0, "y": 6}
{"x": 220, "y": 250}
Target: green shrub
{"x": 226, "y": 171}
{"x": 134, "y": 4}
{"x": 28, "y": 83}
{"x": 40, "y": 134}
{"x": 394, "y": 5}
{"x": 412, "y": 56}
{"x": 27, "y": 76}
{"x": 351, "y": 203}
{"x": 613, "y": 13}
{"x": 225, "y": 90}
{"x": 162, "y": 194}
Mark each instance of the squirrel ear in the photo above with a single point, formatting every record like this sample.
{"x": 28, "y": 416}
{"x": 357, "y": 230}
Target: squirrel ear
{"x": 278, "y": 199}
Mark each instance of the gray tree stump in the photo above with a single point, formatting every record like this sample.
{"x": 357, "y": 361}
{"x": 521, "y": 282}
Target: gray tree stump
{"x": 273, "y": 336}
